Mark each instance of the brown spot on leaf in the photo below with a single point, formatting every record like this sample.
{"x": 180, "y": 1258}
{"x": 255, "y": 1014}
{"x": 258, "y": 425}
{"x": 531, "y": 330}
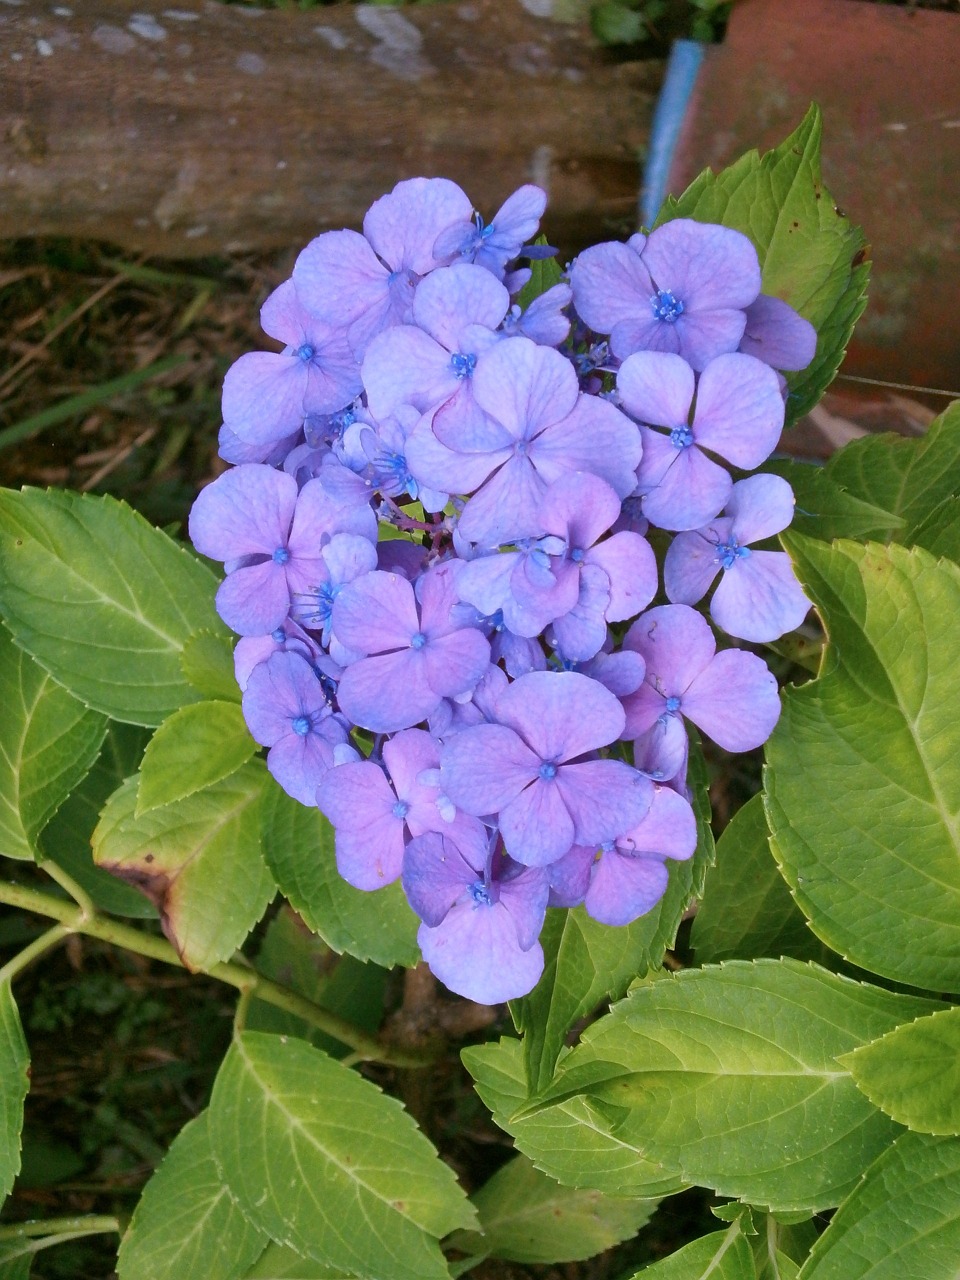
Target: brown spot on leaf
{"x": 400, "y": 1205}
{"x": 148, "y": 857}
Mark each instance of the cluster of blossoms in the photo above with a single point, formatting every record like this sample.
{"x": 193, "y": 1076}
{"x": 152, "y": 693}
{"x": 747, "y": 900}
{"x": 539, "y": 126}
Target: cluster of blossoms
{"x": 434, "y": 537}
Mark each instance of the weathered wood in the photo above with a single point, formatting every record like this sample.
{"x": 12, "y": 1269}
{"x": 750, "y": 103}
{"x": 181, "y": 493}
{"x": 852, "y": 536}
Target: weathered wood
{"x": 206, "y": 127}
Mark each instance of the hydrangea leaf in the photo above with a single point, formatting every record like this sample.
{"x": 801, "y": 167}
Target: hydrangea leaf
{"x": 66, "y": 838}
{"x": 15, "y": 1266}
{"x": 902, "y": 1220}
{"x": 300, "y": 960}
{"x": 723, "y": 1255}
{"x": 587, "y": 962}
{"x": 544, "y": 274}
{"x": 939, "y": 531}
{"x": 729, "y": 1077}
{"x": 207, "y": 662}
{"x": 198, "y": 860}
{"x": 826, "y": 510}
{"x": 198, "y": 745}
{"x": 48, "y": 742}
{"x": 747, "y": 910}
{"x": 103, "y": 600}
{"x": 186, "y": 1222}
{"x": 324, "y": 1162}
{"x": 280, "y": 1262}
{"x": 913, "y": 1073}
{"x": 14, "y": 1083}
{"x": 526, "y": 1216}
{"x": 862, "y": 789}
{"x": 811, "y": 255}
{"x": 570, "y": 1140}
{"x": 298, "y": 843}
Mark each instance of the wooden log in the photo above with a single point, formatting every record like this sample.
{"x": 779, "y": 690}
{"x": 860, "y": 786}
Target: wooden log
{"x": 206, "y": 128}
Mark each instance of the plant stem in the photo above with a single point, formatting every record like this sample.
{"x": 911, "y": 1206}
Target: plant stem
{"x": 242, "y": 976}
{"x": 67, "y": 882}
{"x": 30, "y": 953}
{"x": 88, "y": 1226}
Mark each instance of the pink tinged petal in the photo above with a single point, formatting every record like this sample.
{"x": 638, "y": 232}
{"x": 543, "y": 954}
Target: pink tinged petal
{"x": 333, "y": 376}
{"x": 642, "y": 708}
{"x": 246, "y": 511}
{"x": 461, "y": 424}
{"x": 433, "y": 463}
{"x": 525, "y": 387}
{"x": 610, "y": 283}
{"x": 561, "y": 714}
{"x": 759, "y": 598}
{"x": 255, "y": 600}
{"x": 537, "y": 827}
{"x": 734, "y": 700}
{"x": 675, "y": 642}
{"x": 544, "y": 321}
{"x": 661, "y": 751}
{"x": 689, "y": 568}
{"x": 525, "y": 898}
{"x": 403, "y": 226}
{"x": 602, "y": 797}
{"x": 537, "y": 598}
{"x": 321, "y": 513}
{"x": 299, "y": 764}
{"x": 452, "y": 298}
{"x": 404, "y": 365}
{"x": 656, "y": 388}
{"x": 705, "y": 335}
{"x": 263, "y": 396}
{"x": 570, "y": 876}
{"x": 667, "y": 830}
{"x": 659, "y": 455}
{"x": 455, "y": 663}
{"x": 645, "y": 333}
{"x": 739, "y": 411}
{"x": 707, "y": 266}
{"x": 486, "y": 767}
{"x": 435, "y": 873}
{"x": 485, "y": 582}
{"x": 359, "y": 802}
{"x": 594, "y": 437}
{"x": 693, "y": 489}
{"x": 475, "y": 953}
{"x": 631, "y": 567}
{"x": 778, "y": 335}
{"x": 505, "y": 508}
{"x": 283, "y": 317}
{"x": 387, "y": 692}
{"x": 517, "y": 219}
{"x": 621, "y": 672}
{"x": 581, "y": 632}
{"x": 376, "y": 613}
{"x": 278, "y": 690}
{"x": 437, "y": 593}
{"x": 579, "y": 507}
{"x": 338, "y": 277}
{"x": 760, "y": 506}
{"x": 623, "y": 888}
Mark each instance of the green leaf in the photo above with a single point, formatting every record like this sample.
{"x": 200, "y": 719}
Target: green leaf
{"x": 939, "y": 531}
{"x": 902, "y": 1221}
{"x": 724, "y": 1255}
{"x": 298, "y": 844}
{"x": 323, "y": 1161}
{"x": 279, "y": 1262}
{"x": 298, "y": 959}
{"x": 729, "y": 1077}
{"x": 66, "y": 838}
{"x": 826, "y": 510}
{"x": 48, "y": 741}
{"x": 207, "y": 662}
{"x": 14, "y": 1083}
{"x": 747, "y": 910}
{"x": 570, "y": 1140}
{"x": 614, "y": 23}
{"x": 810, "y": 254}
{"x": 186, "y": 1223}
{"x": 544, "y": 274}
{"x": 862, "y": 788}
{"x": 527, "y": 1217}
{"x": 199, "y": 861}
{"x": 196, "y": 746}
{"x": 16, "y": 1267}
{"x": 913, "y": 1072}
{"x": 102, "y": 600}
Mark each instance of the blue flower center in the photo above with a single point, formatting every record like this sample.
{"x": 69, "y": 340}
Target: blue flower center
{"x": 577, "y": 554}
{"x": 400, "y": 809}
{"x": 306, "y": 352}
{"x": 672, "y": 706}
{"x": 666, "y": 306}
{"x": 480, "y": 894}
{"x": 281, "y": 555}
{"x": 418, "y": 640}
{"x": 728, "y": 553}
{"x": 301, "y": 726}
{"x": 391, "y": 473}
{"x": 681, "y": 437}
{"x": 278, "y": 636}
{"x": 463, "y": 365}
{"x": 548, "y": 771}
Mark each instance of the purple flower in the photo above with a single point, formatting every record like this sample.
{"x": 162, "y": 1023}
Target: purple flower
{"x": 286, "y": 710}
{"x": 759, "y": 597}
{"x": 493, "y": 245}
{"x": 543, "y": 321}
{"x": 730, "y": 695}
{"x": 365, "y": 283}
{"x": 269, "y": 535}
{"x": 250, "y": 651}
{"x": 737, "y": 412}
{"x": 481, "y": 917}
{"x": 683, "y": 289}
{"x": 778, "y": 335}
{"x": 266, "y": 394}
{"x": 415, "y": 652}
{"x": 344, "y": 558}
{"x": 527, "y": 767}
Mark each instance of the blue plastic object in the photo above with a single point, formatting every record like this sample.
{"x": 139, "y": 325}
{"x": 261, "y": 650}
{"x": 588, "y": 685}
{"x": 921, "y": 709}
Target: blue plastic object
{"x": 683, "y": 66}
